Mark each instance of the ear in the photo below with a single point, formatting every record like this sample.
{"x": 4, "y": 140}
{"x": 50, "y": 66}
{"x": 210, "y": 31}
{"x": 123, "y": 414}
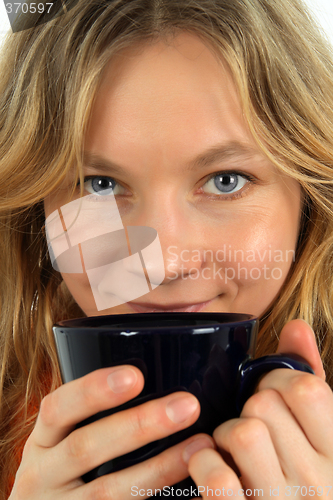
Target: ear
{"x": 298, "y": 337}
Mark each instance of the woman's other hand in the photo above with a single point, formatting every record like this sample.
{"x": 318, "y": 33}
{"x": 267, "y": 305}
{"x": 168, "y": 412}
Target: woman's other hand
{"x": 282, "y": 444}
{"x": 56, "y": 456}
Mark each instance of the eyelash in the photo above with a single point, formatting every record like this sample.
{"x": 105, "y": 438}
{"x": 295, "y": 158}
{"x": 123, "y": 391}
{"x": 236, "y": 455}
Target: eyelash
{"x": 238, "y": 194}
{"x": 90, "y": 177}
{"x": 222, "y": 197}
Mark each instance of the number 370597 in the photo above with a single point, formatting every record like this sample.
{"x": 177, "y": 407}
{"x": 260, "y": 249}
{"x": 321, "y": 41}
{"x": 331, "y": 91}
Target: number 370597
{"x": 32, "y": 8}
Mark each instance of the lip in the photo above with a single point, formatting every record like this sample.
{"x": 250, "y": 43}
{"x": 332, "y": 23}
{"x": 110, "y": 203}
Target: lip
{"x": 142, "y": 308}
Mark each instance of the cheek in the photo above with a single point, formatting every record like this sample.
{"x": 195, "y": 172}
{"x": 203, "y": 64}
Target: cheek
{"x": 262, "y": 266}
{"x": 257, "y": 252}
{"x": 253, "y": 261}
{"x": 79, "y": 287}
{"x": 267, "y": 235}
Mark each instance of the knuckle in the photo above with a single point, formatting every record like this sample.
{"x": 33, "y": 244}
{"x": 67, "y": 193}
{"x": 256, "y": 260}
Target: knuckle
{"x": 217, "y": 478}
{"x": 48, "y": 411}
{"x": 28, "y": 446}
{"x": 248, "y": 432}
{"x": 28, "y": 482}
{"x": 308, "y": 388}
{"x": 162, "y": 469}
{"x": 313, "y": 478}
{"x": 101, "y": 489}
{"x": 79, "y": 447}
{"x": 137, "y": 422}
{"x": 261, "y": 402}
{"x": 89, "y": 393}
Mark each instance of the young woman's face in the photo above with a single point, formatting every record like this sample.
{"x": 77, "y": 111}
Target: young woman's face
{"x": 169, "y": 118}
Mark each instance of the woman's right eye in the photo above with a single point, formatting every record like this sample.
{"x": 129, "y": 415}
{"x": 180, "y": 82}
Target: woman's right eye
{"x": 101, "y": 185}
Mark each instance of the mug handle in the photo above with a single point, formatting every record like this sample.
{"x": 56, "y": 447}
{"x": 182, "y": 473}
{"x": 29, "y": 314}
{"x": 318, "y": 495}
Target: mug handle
{"x": 251, "y": 370}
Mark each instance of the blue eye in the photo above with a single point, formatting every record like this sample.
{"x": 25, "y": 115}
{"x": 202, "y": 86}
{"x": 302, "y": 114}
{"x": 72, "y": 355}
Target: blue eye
{"x": 100, "y": 185}
{"x": 226, "y": 183}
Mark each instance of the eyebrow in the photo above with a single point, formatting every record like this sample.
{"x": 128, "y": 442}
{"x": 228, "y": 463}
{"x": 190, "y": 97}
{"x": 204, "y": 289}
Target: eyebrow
{"x": 217, "y": 153}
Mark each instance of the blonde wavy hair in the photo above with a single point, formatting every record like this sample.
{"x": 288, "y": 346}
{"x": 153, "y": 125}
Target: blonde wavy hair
{"x": 282, "y": 66}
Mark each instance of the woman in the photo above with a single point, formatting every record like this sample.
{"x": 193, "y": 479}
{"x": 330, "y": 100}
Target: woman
{"x": 211, "y": 121}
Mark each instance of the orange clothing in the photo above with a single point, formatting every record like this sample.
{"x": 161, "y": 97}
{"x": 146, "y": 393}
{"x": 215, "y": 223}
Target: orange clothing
{"x": 33, "y": 409}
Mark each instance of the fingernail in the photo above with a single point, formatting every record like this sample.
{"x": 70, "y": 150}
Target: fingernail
{"x": 121, "y": 380}
{"x": 181, "y": 408}
{"x": 198, "y": 444}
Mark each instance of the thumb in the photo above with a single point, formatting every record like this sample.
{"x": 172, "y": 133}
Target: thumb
{"x": 297, "y": 337}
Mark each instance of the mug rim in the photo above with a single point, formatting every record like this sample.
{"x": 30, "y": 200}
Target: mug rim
{"x": 115, "y": 321}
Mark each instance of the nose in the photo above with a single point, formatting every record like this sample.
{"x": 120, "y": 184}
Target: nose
{"x": 179, "y": 237}
{"x": 182, "y": 259}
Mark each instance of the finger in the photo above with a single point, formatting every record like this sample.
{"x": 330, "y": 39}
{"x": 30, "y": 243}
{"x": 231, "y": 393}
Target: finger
{"x": 94, "y": 444}
{"x": 212, "y": 475}
{"x": 249, "y": 442}
{"x": 298, "y": 337}
{"x": 310, "y": 400}
{"x": 75, "y": 401}
{"x": 143, "y": 479}
{"x": 288, "y": 438}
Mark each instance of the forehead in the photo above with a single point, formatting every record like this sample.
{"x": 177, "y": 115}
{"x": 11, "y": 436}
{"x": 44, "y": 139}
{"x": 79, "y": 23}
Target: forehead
{"x": 173, "y": 62}
{"x": 145, "y": 90}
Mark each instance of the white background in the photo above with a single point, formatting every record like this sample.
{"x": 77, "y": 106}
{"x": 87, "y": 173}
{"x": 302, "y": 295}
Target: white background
{"x": 323, "y": 10}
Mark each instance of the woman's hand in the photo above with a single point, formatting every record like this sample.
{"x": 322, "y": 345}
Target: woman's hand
{"x": 282, "y": 444}
{"x": 56, "y": 456}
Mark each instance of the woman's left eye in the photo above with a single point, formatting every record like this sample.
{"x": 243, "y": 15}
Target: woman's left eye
{"x": 226, "y": 183}
{"x": 101, "y": 185}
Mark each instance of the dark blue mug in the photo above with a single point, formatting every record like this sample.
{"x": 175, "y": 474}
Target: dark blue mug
{"x": 208, "y": 354}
